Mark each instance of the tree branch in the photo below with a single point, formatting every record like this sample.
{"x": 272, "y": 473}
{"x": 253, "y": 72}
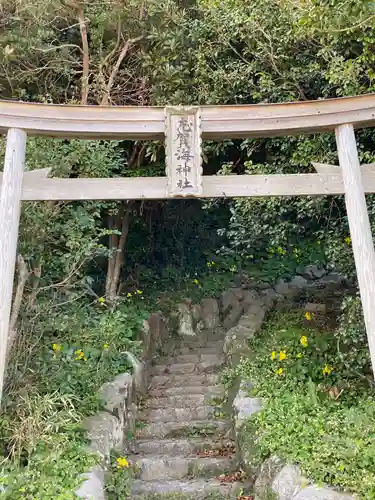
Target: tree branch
{"x": 115, "y": 69}
{"x": 85, "y": 59}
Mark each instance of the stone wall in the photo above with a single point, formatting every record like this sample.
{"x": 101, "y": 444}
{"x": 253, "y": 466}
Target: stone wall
{"x": 245, "y": 314}
{"x": 110, "y": 429}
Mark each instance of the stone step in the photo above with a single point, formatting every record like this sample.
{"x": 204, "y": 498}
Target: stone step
{"x": 212, "y": 391}
{"x": 177, "y": 368}
{"x": 181, "y": 401}
{"x": 214, "y": 359}
{"x": 184, "y": 380}
{"x": 195, "y": 428}
{"x": 173, "y": 447}
{"x": 186, "y": 368}
{"x": 215, "y": 348}
{"x": 178, "y": 414}
{"x": 194, "y": 489}
{"x": 150, "y": 468}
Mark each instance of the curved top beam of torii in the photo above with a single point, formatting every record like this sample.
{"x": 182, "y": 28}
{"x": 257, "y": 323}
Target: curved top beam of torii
{"x": 217, "y": 122}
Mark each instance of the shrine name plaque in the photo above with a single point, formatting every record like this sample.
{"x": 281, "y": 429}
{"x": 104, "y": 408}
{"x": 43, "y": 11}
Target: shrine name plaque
{"x": 183, "y": 151}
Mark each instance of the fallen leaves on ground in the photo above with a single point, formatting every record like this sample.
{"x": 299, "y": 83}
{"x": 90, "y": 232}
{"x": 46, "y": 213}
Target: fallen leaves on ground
{"x": 231, "y": 478}
{"x": 218, "y": 452}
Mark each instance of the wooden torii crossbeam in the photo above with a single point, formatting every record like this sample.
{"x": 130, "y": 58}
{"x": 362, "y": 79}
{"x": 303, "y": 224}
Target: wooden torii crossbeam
{"x": 183, "y": 129}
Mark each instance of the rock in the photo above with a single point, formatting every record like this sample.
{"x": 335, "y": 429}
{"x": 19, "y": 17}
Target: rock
{"x": 249, "y": 297}
{"x": 239, "y": 293}
{"x": 316, "y": 493}
{"x": 265, "y": 476}
{"x": 298, "y": 282}
{"x": 196, "y": 312}
{"x": 285, "y": 482}
{"x": 233, "y": 316}
{"x": 263, "y": 285}
{"x": 229, "y": 300}
{"x": 93, "y": 487}
{"x": 270, "y": 297}
{"x": 332, "y": 279}
{"x": 244, "y": 406}
{"x": 158, "y": 329}
{"x": 313, "y": 272}
{"x": 282, "y": 288}
{"x": 185, "y": 321}
{"x": 210, "y": 313}
{"x": 115, "y": 394}
{"x": 254, "y": 316}
{"x": 288, "y": 482}
{"x": 105, "y": 433}
{"x": 236, "y": 340}
{"x": 146, "y": 340}
{"x": 315, "y": 308}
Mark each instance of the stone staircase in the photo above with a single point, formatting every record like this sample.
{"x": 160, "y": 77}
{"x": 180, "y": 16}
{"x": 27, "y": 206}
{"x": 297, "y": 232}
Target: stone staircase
{"x": 185, "y": 444}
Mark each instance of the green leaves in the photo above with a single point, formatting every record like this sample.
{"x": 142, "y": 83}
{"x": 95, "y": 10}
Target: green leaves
{"x": 316, "y": 414}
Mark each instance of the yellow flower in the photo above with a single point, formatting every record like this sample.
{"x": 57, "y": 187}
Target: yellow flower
{"x": 122, "y": 462}
{"x": 105, "y": 346}
{"x": 211, "y": 263}
{"x": 101, "y": 300}
{"x": 304, "y": 340}
{"x": 196, "y": 282}
{"x": 280, "y": 371}
{"x": 299, "y": 355}
{"x": 129, "y": 294}
{"x": 273, "y": 355}
{"x": 139, "y": 292}
{"x": 348, "y": 240}
{"x": 327, "y": 369}
{"x": 56, "y": 347}
{"x": 282, "y": 355}
{"x": 309, "y": 316}
{"x": 271, "y": 250}
{"x": 80, "y": 355}
{"x": 281, "y": 251}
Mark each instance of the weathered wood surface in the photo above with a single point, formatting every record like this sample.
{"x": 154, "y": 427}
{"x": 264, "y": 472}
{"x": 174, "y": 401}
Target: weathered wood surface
{"x": 325, "y": 168}
{"x": 218, "y": 122}
{"x": 183, "y": 151}
{"x": 10, "y": 209}
{"x": 34, "y": 175}
{"x": 360, "y": 230}
{"x": 135, "y": 188}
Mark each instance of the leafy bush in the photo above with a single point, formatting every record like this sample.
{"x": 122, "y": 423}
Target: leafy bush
{"x": 53, "y": 386}
{"x": 316, "y": 414}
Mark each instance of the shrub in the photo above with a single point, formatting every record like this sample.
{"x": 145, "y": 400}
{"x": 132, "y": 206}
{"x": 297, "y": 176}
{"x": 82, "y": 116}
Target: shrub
{"x": 316, "y": 413}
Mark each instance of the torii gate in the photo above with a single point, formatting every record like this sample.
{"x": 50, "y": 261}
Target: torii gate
{"x": 183, "y": 129}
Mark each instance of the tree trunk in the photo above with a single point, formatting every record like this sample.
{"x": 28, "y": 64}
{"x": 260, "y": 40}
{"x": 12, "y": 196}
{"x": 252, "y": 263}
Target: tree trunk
{"x": 119, "y": 222}
{"x": 23, "y": 276}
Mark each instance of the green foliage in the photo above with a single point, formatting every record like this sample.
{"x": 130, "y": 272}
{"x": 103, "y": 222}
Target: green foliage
{"x": 119, "y": 478}
{"x": 351, "y": 338}
{"x": 316, "y": 413}
{"x": 45, "y": 449}
{"x": 53, "y": 385}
